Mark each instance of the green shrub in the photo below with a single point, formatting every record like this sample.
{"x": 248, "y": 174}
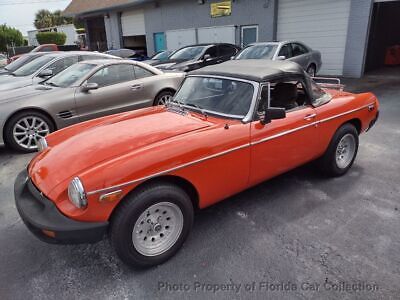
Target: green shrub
{"x": 57, "y": 38}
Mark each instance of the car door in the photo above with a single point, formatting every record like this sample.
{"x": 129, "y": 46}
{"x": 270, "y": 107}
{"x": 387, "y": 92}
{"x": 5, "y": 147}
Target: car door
{"x": 300, "y": 55}
{"x": 116, "y": 92}
{"x": 282, "y": 144}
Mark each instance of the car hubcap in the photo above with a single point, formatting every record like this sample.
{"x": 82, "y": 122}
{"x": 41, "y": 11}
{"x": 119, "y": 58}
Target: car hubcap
{"x": 29, "y": 130}
{"x": 345, "y": 151}
{"x": 157, "y": 229}
{"x": 164, "y": 99}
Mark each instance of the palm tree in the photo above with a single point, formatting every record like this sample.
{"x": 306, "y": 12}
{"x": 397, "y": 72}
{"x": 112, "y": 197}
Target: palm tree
{"x": 43, "y": 19}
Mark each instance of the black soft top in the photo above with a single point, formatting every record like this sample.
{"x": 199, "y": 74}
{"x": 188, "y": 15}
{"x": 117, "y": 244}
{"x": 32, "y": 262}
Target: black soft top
{"x": 259, "y": 70}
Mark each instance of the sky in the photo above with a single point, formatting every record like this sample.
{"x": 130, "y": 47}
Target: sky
{"x": 21, "y": 13}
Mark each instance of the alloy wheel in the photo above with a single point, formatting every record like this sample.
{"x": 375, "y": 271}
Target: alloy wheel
{"x": 29, "y": 130}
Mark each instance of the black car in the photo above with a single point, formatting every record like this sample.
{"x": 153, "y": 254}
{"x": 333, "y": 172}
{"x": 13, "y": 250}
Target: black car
{"x": 24, "y": 59}
{"x": 194, "y": 57}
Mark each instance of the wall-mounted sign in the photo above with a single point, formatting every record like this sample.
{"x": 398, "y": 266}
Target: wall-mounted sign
{"x": 221, "y": 9}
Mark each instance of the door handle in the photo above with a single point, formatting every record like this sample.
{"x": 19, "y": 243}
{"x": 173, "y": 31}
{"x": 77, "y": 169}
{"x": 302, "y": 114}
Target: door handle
{"x": 136, "y": 87}
{"x": 310, "y": 117}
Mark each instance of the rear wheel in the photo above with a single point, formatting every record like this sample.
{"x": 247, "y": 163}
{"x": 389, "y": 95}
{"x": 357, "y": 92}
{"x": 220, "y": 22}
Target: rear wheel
{"x": 311, "y": 70}
{"x": 25, "y": 129}
{"x": 341, "y": 152}
{"x": 151, "y": 225}
{"x": 164, "y": 97}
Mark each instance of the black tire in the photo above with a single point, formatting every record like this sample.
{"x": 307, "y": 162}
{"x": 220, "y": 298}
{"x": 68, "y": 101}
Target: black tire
{"x": 129, "y": 212}
{"x": 328, "y": 163}
{"x": 9, "y": 138}
{"x": 160, "y": 98}
{"x": 311, "y": 70}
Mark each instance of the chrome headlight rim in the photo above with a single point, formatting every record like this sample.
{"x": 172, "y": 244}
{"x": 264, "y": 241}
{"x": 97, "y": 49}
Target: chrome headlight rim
{"x": 77, "y": 194}
{"x": 42, "y": 144}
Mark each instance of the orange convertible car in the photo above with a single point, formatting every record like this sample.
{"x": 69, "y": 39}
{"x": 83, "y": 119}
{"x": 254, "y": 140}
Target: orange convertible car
{"x": 140, "y": 175}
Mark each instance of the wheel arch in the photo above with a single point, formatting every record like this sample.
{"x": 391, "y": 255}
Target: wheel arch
{"x": 181, "y": 182}
{"x": 356, "y": 123}
{"x": 167, "y": 89}
{"x": 35, "y": 109}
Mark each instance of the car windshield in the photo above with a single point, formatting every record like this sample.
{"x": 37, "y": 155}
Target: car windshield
{"x": 188, "y": 53}
{"x": 19, "y": 62}
{"x": 228, "y": 97}
{"x": 162, "y": 55}
{"x": 70, "y": 75}
{"x": 257, "y": 52}
{"x": 33, "y": 66}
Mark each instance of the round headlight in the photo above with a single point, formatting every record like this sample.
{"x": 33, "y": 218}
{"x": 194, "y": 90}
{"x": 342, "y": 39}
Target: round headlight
{"x": 42, "y": 144}
{"x": 76, "y": 193}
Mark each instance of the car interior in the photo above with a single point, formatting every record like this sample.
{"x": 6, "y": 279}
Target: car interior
{"x": 289, "y": 95}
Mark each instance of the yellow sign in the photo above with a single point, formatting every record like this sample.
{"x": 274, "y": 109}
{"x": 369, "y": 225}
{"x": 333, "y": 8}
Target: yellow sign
{"x": 221, "y": 9}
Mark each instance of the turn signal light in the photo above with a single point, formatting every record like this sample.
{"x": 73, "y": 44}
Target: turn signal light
{"x": 111, "y": 197}
{"x": 49, "y": 233}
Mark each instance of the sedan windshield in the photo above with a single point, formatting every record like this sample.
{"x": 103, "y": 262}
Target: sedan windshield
{"x": 70, "y": 75}
{"x": 188, "y": 53}
{"x": 257, "y": 52}
{"x": 227, "y": 97}
{"x": 19, "y": 62}
{"x": 33, "y": 66}
{"x": 161, "y": 55}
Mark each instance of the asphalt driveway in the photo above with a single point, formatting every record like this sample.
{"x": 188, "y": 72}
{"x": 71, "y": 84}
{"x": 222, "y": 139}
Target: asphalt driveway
{"x": 296, "y": 236}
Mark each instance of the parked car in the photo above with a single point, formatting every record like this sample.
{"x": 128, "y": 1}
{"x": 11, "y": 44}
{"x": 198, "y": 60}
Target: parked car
{"x": 141, "y": 175}
{"x": 45, "y": 48}
{"x": 44, "y": 67}
{"x": 159, "y": 57}
{"x": 3, "y": 60}
{"x": 16, "y": 64}
{"x": 84, "y": 91}
{"x": 128, "y": 54}
{"x": 197, "y": 56}
{"x": 295, "y": 51}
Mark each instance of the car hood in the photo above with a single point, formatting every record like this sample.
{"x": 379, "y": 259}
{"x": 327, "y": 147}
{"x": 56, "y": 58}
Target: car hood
{"x": 81, "y": 148}
{"x": 24, "y": 92}
{"x": 9, "y": 82}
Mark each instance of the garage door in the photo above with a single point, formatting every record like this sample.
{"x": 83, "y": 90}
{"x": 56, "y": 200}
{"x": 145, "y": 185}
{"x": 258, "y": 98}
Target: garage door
{"x": 220, "y": 34}
{"x": 179, "y": 38}
{"x": 132, "y": 23}
{"x": 321, "y": 24}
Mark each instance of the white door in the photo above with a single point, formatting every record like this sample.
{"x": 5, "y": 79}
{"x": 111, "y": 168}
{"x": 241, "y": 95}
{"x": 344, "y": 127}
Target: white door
{"x": 320, "y": 24}
{"x": 179, "y": 38}
{"x": 218, "y": 34}
{"x": 132, "y": 23}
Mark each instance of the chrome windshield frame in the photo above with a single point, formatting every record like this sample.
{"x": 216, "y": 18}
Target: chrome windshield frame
{"x": 246, "y": 118}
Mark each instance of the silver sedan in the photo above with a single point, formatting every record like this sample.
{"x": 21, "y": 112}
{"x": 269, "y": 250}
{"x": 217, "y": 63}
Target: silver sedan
{"x": 84, "y": 91}
{"x": 295, "y": 51}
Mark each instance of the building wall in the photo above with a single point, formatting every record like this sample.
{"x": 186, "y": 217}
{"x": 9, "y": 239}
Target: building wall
{"x": 183, "y": 14}
{"x": 357, "y": 38}
{"x": 112, "y": 23}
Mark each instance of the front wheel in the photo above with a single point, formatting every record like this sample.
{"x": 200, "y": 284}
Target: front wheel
{"x": 341, "y": 152}
{"x": 25, "y": 129}
{"x": 164, "y": 97}
{"x": 152, "y": 225}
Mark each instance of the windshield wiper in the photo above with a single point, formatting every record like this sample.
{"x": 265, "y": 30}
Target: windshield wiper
{"x": 198, "y": 107}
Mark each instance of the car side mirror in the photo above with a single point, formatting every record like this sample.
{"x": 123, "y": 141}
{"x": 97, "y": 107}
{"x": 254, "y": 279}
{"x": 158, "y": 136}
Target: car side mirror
{"x": 273, "y": 113}
{"x": 46, "y": 73}
{"x": 89, "y": 86}
{"x": 207, "y": 57}
{"x": 281, "y": 57}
